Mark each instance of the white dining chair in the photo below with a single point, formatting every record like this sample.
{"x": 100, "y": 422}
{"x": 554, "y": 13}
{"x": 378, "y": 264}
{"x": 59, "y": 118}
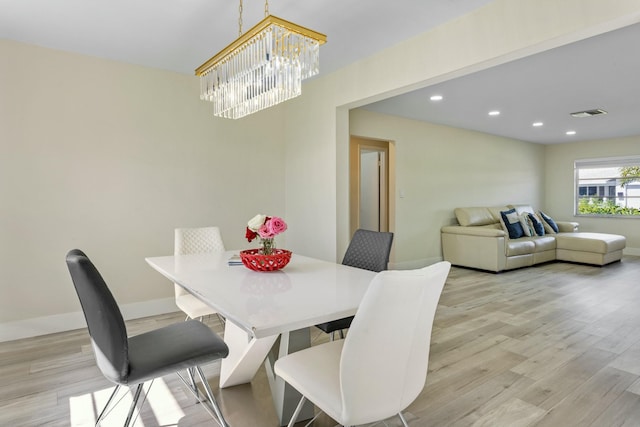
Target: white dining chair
{"x": 200, "y": 240}
{"x": 381, "y": 366}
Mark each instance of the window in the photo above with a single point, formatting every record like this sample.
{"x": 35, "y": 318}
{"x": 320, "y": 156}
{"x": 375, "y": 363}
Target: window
{"x": 608, "y": 187}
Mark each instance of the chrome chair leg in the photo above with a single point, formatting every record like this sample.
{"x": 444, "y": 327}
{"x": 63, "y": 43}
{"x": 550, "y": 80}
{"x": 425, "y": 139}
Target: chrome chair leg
{"x": 107, "y": 405}
{"x": 404, "y": 421}
{"x": 136, "y": 396}
{"x": 192, "y": 379}
{"x": 212, "y": 399}
{"x": 294, "y": 417}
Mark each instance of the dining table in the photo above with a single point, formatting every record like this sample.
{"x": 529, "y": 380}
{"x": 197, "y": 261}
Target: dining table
{"x": 268, "y": 314}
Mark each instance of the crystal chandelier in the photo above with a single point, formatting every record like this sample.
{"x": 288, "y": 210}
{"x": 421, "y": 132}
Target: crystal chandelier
{"x": 261, "y": 68}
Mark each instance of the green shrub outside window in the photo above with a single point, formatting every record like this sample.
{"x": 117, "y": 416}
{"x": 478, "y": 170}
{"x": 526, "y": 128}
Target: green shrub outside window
{"x": 608, "y": 187}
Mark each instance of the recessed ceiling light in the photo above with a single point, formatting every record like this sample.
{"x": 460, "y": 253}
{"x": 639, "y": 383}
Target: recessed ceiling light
{"x": 571, "y": 132}
{"x": 436, "y": 98}
{"x": 494, "y": 113}
{"x": 537, "y": 124}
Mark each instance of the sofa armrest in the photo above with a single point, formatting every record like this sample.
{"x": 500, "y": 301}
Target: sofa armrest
{"x": 567, "y": 226}
{"x": 473, "y": 231}
{"x": 476, "y": 247}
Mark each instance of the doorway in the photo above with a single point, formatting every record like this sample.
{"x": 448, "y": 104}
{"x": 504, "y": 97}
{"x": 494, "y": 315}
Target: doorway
{"x": 370, "y": 174}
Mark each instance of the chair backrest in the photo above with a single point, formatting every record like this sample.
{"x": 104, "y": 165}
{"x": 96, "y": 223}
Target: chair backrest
{"x": 385, "y": 357}
{"x": 369, "y": 250}
{"x": 104, "y": 320}
{"x": 199, "y": 240}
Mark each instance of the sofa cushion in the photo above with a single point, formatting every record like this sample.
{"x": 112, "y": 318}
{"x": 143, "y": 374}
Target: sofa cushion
{"x": 495, "y": 212}
{"x": 512, "y": 223}
{"x": 520, "y": 247}
{"x": 522, "y": 209}
{"x": 591, "y": 242}
{"x": 544, "y": 243}
{"x": 474, "y": 216}
{"x": 550, "y": 225}
{"x": 536, "y": 244}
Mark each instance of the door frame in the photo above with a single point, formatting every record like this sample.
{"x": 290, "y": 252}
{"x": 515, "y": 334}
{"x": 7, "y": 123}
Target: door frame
{"x": 356, "y": 144}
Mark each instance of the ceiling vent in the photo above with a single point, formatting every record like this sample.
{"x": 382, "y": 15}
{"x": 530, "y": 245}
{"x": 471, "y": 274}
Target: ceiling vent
{"x": 588, "y": 113}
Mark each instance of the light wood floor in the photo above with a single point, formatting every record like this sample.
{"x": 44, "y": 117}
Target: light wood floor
{"x": 553, "y": 345}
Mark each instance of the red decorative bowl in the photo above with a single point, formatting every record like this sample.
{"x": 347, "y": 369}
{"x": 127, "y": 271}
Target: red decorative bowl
{"x": 259, "y": 262}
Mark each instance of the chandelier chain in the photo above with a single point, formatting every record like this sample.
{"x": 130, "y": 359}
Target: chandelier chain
{"x": 266, "y": 8}
{"x": 240, "y": 19}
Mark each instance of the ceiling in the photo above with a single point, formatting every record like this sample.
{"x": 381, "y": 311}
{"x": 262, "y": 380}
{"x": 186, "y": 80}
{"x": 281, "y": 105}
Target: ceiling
{"x": 601, "y": 72}
{"x": 179, "y": 35}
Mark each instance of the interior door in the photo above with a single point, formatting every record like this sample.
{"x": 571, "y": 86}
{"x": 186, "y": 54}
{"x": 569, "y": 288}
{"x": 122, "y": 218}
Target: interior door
{"x": 372, "y": 210}
{"x": 369, "y": 184}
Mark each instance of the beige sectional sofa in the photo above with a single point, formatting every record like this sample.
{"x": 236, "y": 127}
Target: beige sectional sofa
{"x": 481, "y": 240}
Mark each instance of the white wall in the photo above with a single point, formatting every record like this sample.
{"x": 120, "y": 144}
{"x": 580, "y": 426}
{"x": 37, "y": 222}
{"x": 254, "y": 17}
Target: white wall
{"x": 110, "y": 158}
{"x": 317, "y": 125}
{"x": 559, "y": 188}
{"x": 439, "y": 168}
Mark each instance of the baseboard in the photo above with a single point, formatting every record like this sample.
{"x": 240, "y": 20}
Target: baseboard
{"x": 69, "y": 321}
{"x": 631, "y": 251}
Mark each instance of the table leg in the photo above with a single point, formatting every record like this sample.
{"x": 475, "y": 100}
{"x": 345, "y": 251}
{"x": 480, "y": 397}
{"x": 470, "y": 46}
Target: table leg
{"x": 285, "y": 397}
{"x": 246, "y": 354}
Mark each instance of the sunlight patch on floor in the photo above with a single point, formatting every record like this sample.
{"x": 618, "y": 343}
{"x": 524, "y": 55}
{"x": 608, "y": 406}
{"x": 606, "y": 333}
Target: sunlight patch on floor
{"x": 160, "y": 405}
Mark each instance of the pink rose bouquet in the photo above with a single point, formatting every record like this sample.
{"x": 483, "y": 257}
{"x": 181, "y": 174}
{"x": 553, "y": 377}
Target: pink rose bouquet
{"x": 266, "y": 228}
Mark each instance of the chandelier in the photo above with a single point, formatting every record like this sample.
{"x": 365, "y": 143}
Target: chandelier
{"x": 261, "y": 68}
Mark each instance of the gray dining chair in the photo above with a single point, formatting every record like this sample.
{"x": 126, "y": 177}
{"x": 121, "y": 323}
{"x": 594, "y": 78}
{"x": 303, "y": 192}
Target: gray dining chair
{"x": 368, "y": 250}
{"x": 131, "y": 361}
{"x": 381, "y": 367}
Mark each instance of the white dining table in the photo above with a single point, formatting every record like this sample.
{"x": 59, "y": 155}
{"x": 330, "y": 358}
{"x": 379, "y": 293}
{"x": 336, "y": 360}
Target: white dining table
{"x": 260, "y": 307}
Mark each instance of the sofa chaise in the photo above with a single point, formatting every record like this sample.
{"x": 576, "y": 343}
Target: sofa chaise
{"x": 507, "y": 237}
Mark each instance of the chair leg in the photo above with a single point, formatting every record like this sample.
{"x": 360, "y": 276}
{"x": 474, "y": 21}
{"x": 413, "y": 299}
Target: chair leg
{"x": 294, "y": 417}
{"x": 193, "y": 384}
{"x": 223, "y": 321}
{"x": 212, "y": 399}
{"x": 404, "y": 421}
{"x": 136, "y": 396}
{"x": 104, "y": 410}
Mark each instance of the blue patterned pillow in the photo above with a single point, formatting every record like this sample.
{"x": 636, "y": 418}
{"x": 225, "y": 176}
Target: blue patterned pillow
{"x": 527, "y": 226}
{"x": 537, "y": 225}
{"x": 550, "y": 222}
{"x": 512, "y": 222}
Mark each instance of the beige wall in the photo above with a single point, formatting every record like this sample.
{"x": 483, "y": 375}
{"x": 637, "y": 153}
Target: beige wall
{"x": 110, "y": 158}
{"x": 317, "y": 125}
{"x": 559, "y": 191}
{"x": 440, "y": 168}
